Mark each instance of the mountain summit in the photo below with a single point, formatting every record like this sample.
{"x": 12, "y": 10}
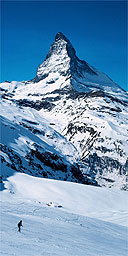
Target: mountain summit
{"x": 61, "y": 36}
{"x": 62, "y": 60}
{"x": 63, "y": 57}
{"x": 60, "y": 43}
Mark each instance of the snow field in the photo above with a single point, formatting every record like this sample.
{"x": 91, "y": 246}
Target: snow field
{"x": 92, "y": 221}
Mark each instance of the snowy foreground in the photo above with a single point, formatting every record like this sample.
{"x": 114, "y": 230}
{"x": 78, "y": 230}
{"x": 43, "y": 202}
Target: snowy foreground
{"x": 81, "y": 221}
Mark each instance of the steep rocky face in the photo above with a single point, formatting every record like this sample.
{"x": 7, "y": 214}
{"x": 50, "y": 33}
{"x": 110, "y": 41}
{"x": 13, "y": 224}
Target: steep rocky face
{"x": 81, "y": 104}
{"x": 78, "y": 75}
{"x": 62, "y": 58}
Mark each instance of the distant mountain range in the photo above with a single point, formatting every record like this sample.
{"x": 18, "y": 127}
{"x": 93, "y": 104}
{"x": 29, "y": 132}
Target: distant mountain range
{"x": 70, "y": 122}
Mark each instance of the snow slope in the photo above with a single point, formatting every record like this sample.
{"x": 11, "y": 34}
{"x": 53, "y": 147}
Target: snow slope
{"x": 31, "y": 151}
{"x": 92, "y": 221}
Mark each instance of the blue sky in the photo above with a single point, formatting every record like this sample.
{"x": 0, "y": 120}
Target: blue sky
{"x": 97, "y": 30}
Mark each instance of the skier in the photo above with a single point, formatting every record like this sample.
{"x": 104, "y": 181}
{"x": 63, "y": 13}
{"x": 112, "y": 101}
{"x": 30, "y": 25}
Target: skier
{"x": 20, "y": 225}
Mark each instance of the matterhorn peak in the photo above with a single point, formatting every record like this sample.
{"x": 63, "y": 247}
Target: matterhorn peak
{"x": 62, "y": 58}
{"x": 61, "y": 46}
{"x": 61, "y": 36}
{"x": 62, "y": 63}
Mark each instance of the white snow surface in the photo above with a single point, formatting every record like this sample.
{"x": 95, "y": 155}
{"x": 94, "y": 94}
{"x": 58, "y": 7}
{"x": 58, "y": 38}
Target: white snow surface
{"x": 92, "y": 221}
{"x": 11, "y": 115}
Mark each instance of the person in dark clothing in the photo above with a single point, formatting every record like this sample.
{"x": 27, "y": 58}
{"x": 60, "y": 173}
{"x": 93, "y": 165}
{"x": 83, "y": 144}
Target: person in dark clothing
{"x": 20, "y": 225}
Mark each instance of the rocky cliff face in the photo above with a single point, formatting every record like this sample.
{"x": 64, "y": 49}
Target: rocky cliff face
{"x": 62, "y": 59}
{"x": 81, "y": 105}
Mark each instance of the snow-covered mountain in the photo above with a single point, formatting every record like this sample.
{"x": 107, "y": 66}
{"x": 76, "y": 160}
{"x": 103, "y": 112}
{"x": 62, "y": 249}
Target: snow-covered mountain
{"x": 70, "y": 122}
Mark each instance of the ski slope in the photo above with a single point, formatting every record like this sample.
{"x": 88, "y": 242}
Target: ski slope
{"x": 81, "y": 220}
